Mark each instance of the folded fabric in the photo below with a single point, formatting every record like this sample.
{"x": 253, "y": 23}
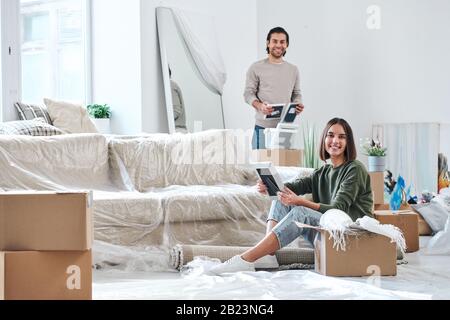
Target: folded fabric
{"x": 336, "y": 222}
{"x": 440, "y": 243}
{"x": 434, "y": 213}
{"x": 388, "y": 230}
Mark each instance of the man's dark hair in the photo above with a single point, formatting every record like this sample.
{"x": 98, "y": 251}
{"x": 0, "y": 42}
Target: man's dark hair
{"x": 350, "y": 150}
{"x": 277, "y": 30}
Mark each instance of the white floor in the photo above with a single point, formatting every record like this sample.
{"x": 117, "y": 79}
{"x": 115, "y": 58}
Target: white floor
{"x": 424, "y": 277}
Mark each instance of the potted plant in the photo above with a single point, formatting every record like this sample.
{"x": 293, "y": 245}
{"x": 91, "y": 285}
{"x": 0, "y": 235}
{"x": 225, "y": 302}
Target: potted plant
{"x": 310, "y": 157}
{"x": 376, "y": 155}
{"x": 101, "y": 114}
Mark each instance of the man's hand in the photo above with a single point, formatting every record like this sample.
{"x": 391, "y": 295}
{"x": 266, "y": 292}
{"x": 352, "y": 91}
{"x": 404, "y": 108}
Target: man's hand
{"x": 289, "y": 198}
{"x": 264, "y": 108}
{"x": 261, "y": 187}
{"x": 300, "y": 108}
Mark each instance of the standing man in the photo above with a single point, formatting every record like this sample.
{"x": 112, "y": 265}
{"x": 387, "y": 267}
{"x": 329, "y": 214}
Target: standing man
{"x": 271, "y": 81}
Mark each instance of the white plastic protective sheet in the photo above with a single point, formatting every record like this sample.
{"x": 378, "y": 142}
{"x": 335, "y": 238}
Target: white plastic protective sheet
{"x": 202, "y": 46}
{"x": 424, "y": 277}
{"x": 151, "y": 192}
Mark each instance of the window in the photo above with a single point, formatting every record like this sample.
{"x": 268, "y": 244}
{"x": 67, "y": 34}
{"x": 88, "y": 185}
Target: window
{"x": 53, "y": 52}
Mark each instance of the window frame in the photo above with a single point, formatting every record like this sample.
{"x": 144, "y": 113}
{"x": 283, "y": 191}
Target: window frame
{"x": 11, "y": 64}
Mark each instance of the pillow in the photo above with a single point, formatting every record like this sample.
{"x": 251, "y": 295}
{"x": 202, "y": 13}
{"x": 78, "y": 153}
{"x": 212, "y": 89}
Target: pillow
{"x": 434, "y": 214}
{"x": 35, "y": 127}
{"x": 69, "y": 117}
{"x": 32, "y": 111}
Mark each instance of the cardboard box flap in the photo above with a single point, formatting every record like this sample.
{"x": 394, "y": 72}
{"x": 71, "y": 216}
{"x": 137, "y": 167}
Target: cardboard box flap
{"x": 390, "y": 213}
{"x": 353, "y": 230}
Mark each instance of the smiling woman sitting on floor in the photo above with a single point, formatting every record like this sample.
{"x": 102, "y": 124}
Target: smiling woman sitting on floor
{"x": 344, "y": 184}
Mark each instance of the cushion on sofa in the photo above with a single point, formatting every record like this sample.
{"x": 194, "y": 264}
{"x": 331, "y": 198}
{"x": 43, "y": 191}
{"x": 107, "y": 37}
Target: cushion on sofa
{"x": 32, "y": 111}
{"x": 35, "y": 127}
{"x": 70, "y": 117}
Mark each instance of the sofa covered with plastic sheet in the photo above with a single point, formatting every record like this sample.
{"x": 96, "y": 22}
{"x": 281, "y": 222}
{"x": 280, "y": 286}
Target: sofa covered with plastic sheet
{"x": 149, "y": 190}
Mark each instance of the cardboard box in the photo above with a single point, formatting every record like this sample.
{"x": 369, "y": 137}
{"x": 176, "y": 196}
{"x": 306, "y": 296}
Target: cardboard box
{"x": 407, "y": 221}
{"x": 46, "y": 275}
{"x": 365, "y": 255}
{"x": 377, "y": 185}
{"x": 382, "y": 206}
{"x": 279, "y": 157}
{"x": 424, "y": 228}
{"x": 46, "y": 221}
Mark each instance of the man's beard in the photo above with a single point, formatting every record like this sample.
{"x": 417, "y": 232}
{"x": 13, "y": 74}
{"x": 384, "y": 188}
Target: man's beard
{"x": 273, "y": 54}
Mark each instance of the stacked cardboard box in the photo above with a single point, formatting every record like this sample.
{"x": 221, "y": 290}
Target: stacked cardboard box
{"x": 279, "y": 157}
{"x": 377, "y": 185}
{"x": 45, "y": 246}
{"x": 407, "y": 221}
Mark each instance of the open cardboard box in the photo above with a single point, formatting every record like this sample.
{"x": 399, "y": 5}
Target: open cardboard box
{"x": 366, "y": 254}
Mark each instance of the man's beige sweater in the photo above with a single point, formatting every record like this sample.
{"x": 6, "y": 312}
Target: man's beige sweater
{"x": 272, "y": 83}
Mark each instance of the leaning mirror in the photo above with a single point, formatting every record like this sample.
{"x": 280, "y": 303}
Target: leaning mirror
{"x": 192, "y": 70}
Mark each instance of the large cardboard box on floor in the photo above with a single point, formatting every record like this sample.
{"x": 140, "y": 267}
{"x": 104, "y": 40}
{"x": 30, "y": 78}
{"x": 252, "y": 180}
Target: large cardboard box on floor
{"x": 377, "y": 185}
{"x": 407, "y": 221}
{"x": 46, "y": 221}
{"x": 365, "y": 254}
{"x": 47, "y": 275}
{"x": 279, "y": 157}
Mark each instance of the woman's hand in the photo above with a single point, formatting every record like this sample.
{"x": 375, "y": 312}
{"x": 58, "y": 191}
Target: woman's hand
{"x": 289, "y": 198}
{"x": 261, "y": 187}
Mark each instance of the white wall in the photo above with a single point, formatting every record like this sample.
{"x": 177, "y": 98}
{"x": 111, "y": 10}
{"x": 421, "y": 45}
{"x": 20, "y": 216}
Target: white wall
{"x": 236, "y": 27}
{"x": 127, "y": 67}
{"x": 400, "y": 73}
{"x": 116, "y": 62}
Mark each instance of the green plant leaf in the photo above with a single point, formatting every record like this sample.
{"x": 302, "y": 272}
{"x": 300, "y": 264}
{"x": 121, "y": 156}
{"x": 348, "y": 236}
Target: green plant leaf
{"x": 99, "y": 111}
